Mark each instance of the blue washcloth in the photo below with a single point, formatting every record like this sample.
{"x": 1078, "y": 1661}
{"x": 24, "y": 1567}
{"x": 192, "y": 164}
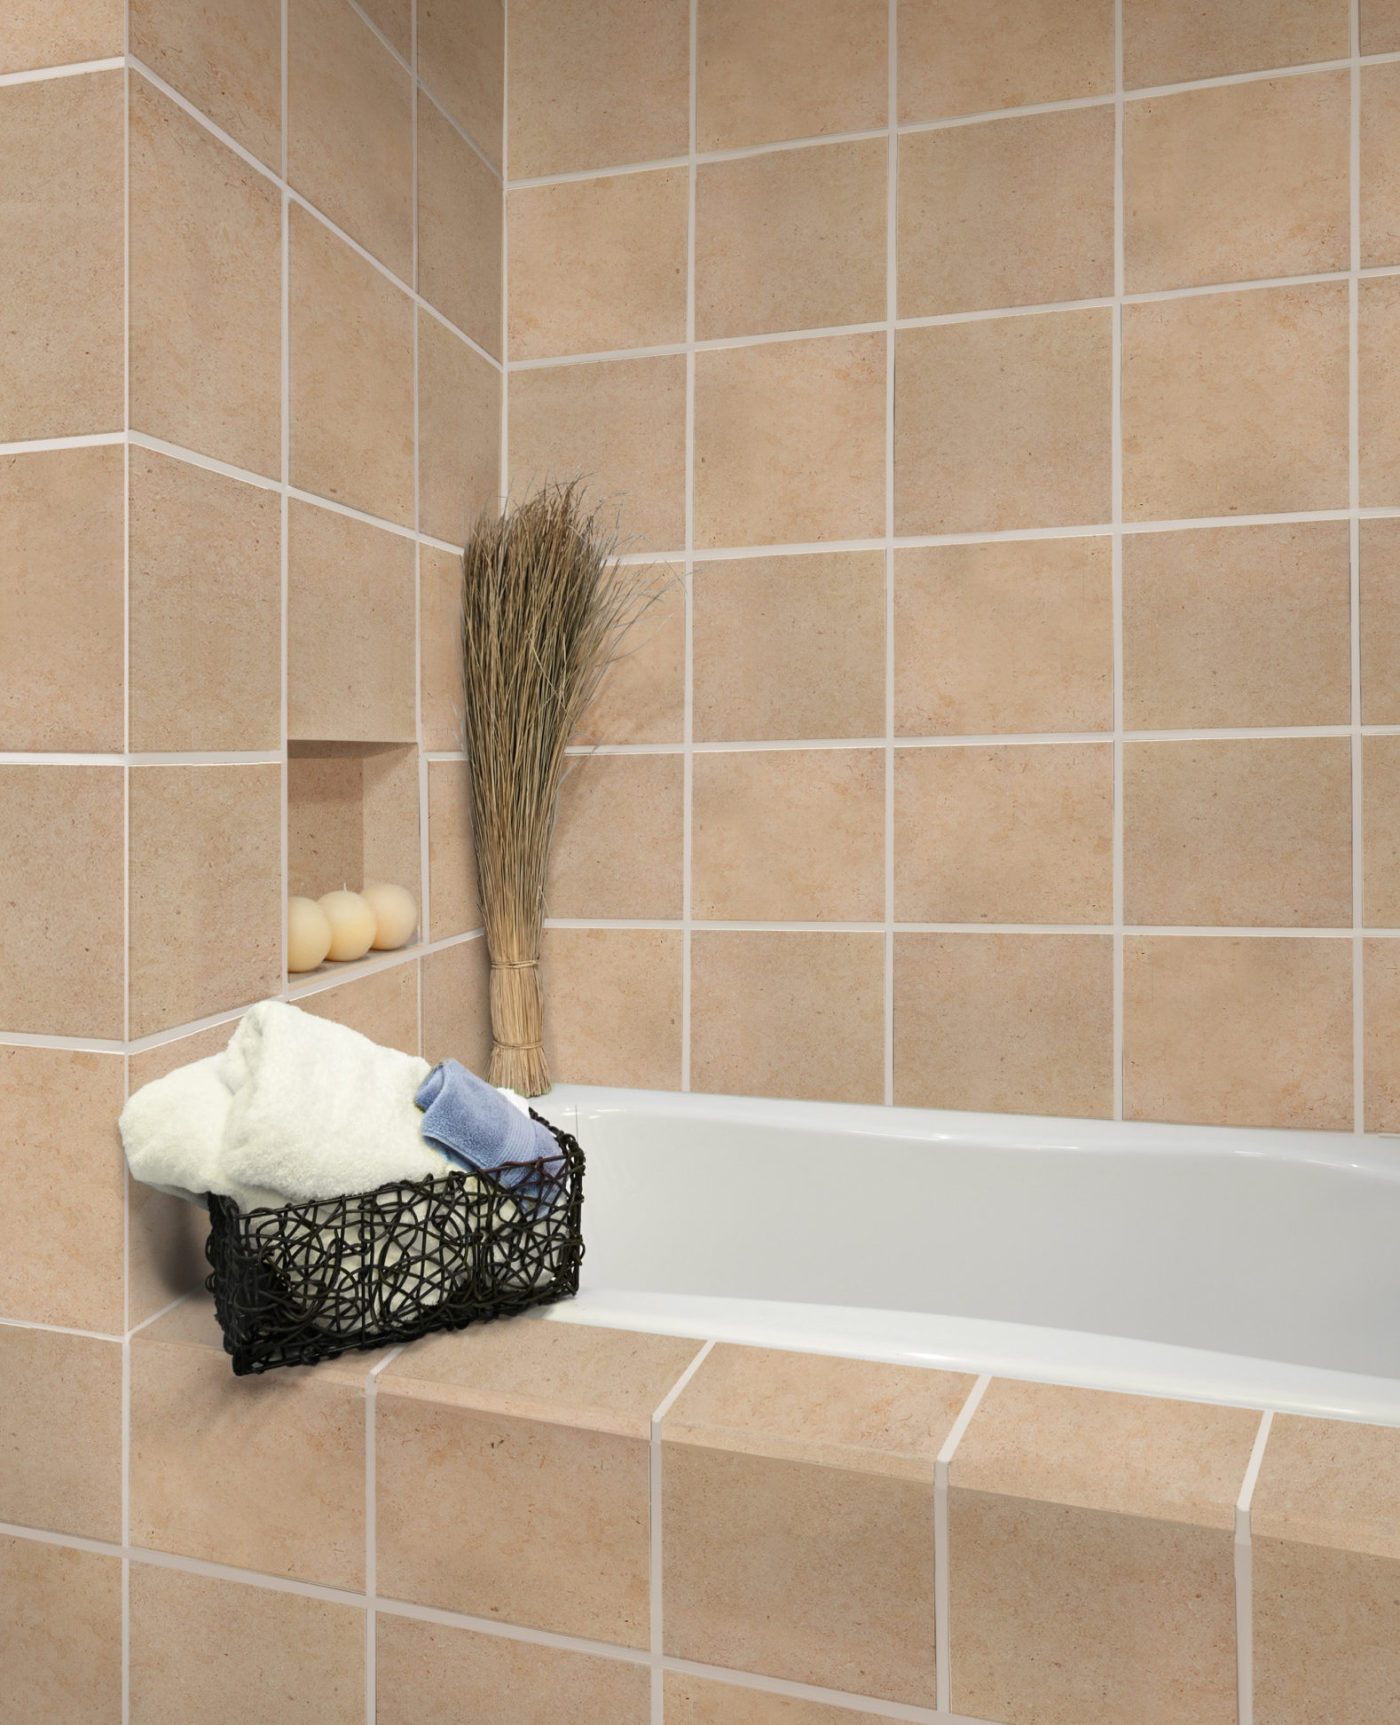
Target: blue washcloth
{"x": 475, "y": 1126}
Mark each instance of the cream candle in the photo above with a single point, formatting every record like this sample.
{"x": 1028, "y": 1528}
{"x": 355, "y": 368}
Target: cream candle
{"x": 395, "y": 914}
{"x": 352, "y": 924}
{"x": 308, "y": 934}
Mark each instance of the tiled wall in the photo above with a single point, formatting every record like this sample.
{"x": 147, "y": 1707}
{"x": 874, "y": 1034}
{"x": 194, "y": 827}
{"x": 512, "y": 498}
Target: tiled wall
{"x": 1018, "y": 384}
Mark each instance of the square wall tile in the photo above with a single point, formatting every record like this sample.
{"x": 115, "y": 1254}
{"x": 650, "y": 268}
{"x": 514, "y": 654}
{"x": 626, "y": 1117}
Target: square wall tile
{"x": 1380, "y": 165}
{"x": 61, "y": 269}
{"x": 453, "y": 889}
{"x": 61, "y": 1228}
{"x": 791, "y": 239}
{"x": 1014, "y": 636}
{"x": 325, "y": 817}
{"x": 790, "y": 647}
{"x": 352, "y": 681}
{"x": 1254, "y": 832}
{"x": 206, "y": 891}
{"x": 1381, "y": 985}
{"x": 618, "y": 848}
{"x": 597, "y": 265}
{"x": 298, "y": 1660}
{"x": 790, "y": 441}
{"x": 1003, "y": 422}
{"x": 439, "y": 656}
{"x": 1380, "y": 802}
{"x": 612, "y": 1006}
{"x": 206, "y": 302}
{"x": 698, "y": 1701}
{"x": 1237, "y": 626}
{"x": 382, "y": 1005}
{"x": 788, "y": 1014}
{"x": 1236, "y": 403}
{"x": 1380, "y": 622}
{"x": 971, "y": 56}
{"x": 461, "y": 61}
{"x": 1380, "y": 392}
{"x": 1380, "y": 26}
{"x": 1243, "y": 1031}
{"x": 205, "y": 603}
{"x": 61, "y": 589}
{"x": 1329, "y": 1482}
{"x": 261, "y": 1473}
{"x": 394, "y": 21}
{"x": 642, "y": 697}
{"x": 459, "y": 230}
{"x": 537, "y": 1426}
{"x": 626, "y": 419}
{"x": 61, "y": 1635}
{"x": 225, "y": 56}
{"x": 423, "y": 1670}
{"x": 789, "y": 835}
{"x": 61, "y": 971}
{"x": 596, "y": 89}
{"x": 456, "y": 1005}
{"x": 61, "y": 1432}
{"x": 1238, "y": 181}
{"x": 768, "y": 70}
{"x": 1010, "y": 212}
{"x": 351, "y": 376}
{"x": 350, "y": 128}
{"x": 1007, "y": 1023}
{"x": 1175, "y": 41}
{"x": 459, "y": 433}
{"x": 1006, "y": 833}
{"x": 35, "y": 33}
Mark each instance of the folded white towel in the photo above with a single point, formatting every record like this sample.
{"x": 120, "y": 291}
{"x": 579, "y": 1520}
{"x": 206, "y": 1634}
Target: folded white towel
{"x": 173, "y": 1133}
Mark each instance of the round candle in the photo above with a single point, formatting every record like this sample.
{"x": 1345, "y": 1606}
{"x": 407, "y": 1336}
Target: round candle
{"x": 308, "y": 934}
{"x": 352, "y": 924}
{"x": 395, "y": 914}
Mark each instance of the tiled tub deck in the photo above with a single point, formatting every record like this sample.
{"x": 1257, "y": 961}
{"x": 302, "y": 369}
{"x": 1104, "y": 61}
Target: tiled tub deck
{"x": 546, "y": 1521}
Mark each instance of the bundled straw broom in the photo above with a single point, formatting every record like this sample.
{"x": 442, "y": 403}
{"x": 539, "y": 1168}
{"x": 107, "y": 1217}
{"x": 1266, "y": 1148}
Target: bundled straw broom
{"x": 545, "y": 604}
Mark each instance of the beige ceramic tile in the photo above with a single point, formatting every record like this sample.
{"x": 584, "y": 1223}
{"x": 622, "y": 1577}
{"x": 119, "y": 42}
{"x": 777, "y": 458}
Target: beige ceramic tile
{"x": 642, "y": 698}
{"x": 790, "y": 647}
{"x": 298, "y": 1660}
{"x": 789, "y": 69}
{"x": 453, "y": 893}
{"x": 596, "y": 87}
{"x": 61, "y": 650}
{"x": 1380, "y": 26}
{"x": 260, "y": 1473}
{"x": 439, "y": 652}
{"x": 350, "y": 629}
{"x": 1380, "y": 392}
{"x": 1381, "y": 982}
{"x": 618, "y": 838}
{"x": 790, "y": 441}
{"x": 1004, "y": 833}
{"x": 1013, "y": 636}
{"x": 1252, "y": 832}
{"x": 35, "y": 33}
{"x": 1009, "y": 1023}
{"x": 350, "y": 128}
{"x": 61, "y": 1432}
{"x": 1324, "y": 1636}
{"x": 1250, "y": 1031}
{"x": 394, "y": 20}
{"x": 698, "y": 1701}
{"x": 351, "y": 376}
{"x": 423, "y": 1670}
{"x": 789, "y": 835}
{"x": 1380, "y": 164}
{"x": 1172, "y": 41}
{"x": 461, "y": 60}
{"x": 1237, "y": 626}
{"x": 225, "y": 56}
{"x": 206, "y": 315}
{"x": 459, "y": 231}
{"x": 1013, "y": 212}
{"x": 205, "y": 886}
{"x": 597, "y": 265}
{"x": 1238, "y": 181}
{"x": 392, "y": 817}
{"x": 791, "y": 239}
{"x": 1235, "y": 403}
{"x": 60, "y": 848}
{"x": 61, "y": 269}
{"x": 788, "y": 1014}
{"x": 205, "y": 601}
{"x": 971, "y": 56}
{"x": 1330, "y": 1483}
{"x": 620, "y": 425}
{"x": 382, "y": 1005}
{"x": 325, "y": 817}
{"x": 1380, "y": 802}
{"x": 456, "y": 1008}
{"x": 546, "y": 1427}
{"x": 61, "y": 1233}
{"x": 1380, "y": 622}
{"x": 459, "y": 432}
{"x": 61, "y": 1633}
{"x": 612, "y": 1006}
{"x": 1003, "y": 423}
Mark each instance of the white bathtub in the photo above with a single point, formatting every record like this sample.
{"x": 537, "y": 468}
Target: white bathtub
{"x": 1253, "y": 1267}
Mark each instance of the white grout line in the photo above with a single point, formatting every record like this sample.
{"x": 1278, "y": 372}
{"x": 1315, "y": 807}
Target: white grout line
{"x": 371, "y": 1479}
{"x": 1244, "y": 1576}
{"x": 1358, "y": 906}
{"x": 654, "y": 1589}
{"x": 285, "y": 475}
{"x": 46, "y": 74}
{"x": 888, "y": 741}
{"x": 1116, "y": 505}
{"x": 942, "y": 1573}
{"x": 41, "y": 445}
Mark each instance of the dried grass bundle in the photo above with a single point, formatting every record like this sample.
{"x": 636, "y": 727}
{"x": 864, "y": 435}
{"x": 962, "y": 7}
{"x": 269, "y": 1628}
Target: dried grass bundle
{"x": 545, "y": 605}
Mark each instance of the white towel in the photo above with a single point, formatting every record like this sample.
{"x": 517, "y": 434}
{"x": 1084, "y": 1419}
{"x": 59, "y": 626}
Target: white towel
{"x": 173, "y": 1133}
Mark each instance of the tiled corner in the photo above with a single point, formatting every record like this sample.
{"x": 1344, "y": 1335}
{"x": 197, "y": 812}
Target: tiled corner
{"x": 518, "y": 1426}
{"x": 818, "y": 1471}
{"x": 1380, "y": 622}
{"x": 439, "y": 651}
{"x": 453, "y": 893}
{"x": 34, "y": 33}
{"x": 456, "y": 1006}
{"x": 1379, "y": 341}
{"x": 461, "y": 60}
{"x": 61, "y": 1632}
{"x": 459, "y": 432}
{"x": 613, "y": 1006}
{"x": 954, "y": 60}
{"x": 642, "y": 696}
{"x": 61, "y": 1432}
{"x": 1380, "y": 165}
{"x": 1091, "y": 1540}
{"x": 382, "y": 1005}
{"x": 459, "y": 230}
{"x": 1175, "y": 41}
{"x": 617, "y": 848}
{"x": 225, "y": 56}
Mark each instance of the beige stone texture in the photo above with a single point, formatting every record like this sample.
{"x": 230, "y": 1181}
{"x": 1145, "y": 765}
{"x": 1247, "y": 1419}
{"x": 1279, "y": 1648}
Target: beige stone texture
{"x": 439, "y": 653}
{"x": 973, "y": 56}
{"x": 1380, "y": 165}
{"x": 1380, "y": 622}
{"x": 642, "y": 697}
{"x": 699, "y": 1701}
{"x": 1380, "y": 804}
{"x": 225, "y": 56}
{"x": 61, "y": 1633}
{"x": 461, "y": 60}
{"x": 382, "y": 1005}
{"x": 1380, "y": 392}
{"x": 1174, "y": 41}
{"x": 36, "y": 33}
{"x": 459, "y": 433}
{"x": 61, "y": 1432}
{"x": 453, "y": 891}
{"x": 1380, "y": 26}
{"x": 612, "y": 1006}
{"x": 456, "y": 1008}
{"x": 459, "y": 231}
{"x": 1381, "y": 983}
{"x": 394, "y": 20}
{"x": 618, "y": 848}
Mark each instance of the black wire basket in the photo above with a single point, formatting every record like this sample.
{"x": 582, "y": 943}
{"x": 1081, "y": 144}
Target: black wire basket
{"x": 310, "y": 1281}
